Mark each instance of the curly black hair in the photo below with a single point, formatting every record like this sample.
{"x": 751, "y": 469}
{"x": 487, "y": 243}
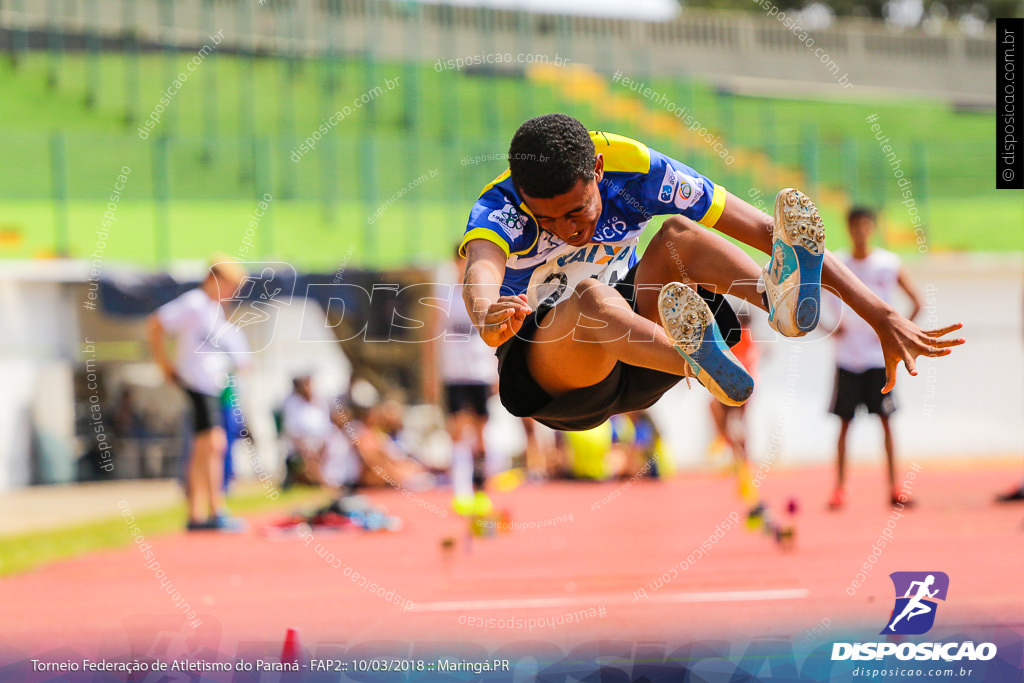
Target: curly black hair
{"x": 548, "y": 154}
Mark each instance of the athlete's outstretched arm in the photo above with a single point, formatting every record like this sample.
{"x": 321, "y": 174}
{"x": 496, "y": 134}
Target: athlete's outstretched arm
{"x": 497, "y": 317}
{"x": 901, "y": 339}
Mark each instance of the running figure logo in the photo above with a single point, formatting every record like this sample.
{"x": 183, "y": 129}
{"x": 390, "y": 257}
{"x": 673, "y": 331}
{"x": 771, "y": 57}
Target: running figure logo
{"x": 258, "y": 300}
{"x": 914, "y": 612}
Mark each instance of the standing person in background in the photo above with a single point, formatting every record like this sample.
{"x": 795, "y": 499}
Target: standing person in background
{"x": 209, "y": 348}
{"x": 860, "y": 364}
{"x": 468, "y": 372}
{"x": 731, "y": 421}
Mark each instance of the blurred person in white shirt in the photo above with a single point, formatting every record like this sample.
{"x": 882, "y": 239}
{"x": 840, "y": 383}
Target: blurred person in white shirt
{"x": 209, "y": 348}
{"x": 465, "y": 369}
{"x": 860, "y": 364}
{"x": 321, "y": 450}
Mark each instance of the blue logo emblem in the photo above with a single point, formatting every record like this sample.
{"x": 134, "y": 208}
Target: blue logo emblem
{"x": 916, "y": 595}
{"x": 666, "y": 193}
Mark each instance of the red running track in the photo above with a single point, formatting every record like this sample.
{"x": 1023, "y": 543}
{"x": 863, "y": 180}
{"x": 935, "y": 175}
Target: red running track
{"x": 250, "y": 589}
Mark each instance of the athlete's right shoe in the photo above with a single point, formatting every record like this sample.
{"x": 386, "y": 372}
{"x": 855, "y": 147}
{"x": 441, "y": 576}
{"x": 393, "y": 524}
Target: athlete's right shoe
{"x": 792, "y": 279}
{"x": 691, "y": 325}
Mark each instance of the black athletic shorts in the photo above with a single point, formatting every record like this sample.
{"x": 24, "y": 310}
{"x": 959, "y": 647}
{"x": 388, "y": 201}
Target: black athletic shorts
{"x": 206, "y": 410}
{"x": 471, "y": 397}
{"x": 626, "y": 388}
{"x": 854, "y": 389}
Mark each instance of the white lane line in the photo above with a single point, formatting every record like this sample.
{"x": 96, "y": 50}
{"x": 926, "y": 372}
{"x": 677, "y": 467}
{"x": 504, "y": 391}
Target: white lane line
{"x": 618, "y": 598}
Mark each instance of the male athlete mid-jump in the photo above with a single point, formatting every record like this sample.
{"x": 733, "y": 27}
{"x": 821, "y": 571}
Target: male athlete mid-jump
{"x": 585, "y": 329}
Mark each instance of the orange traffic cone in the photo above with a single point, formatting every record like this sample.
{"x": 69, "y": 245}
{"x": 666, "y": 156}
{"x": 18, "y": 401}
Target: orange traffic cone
{"x": 290, "y": 651}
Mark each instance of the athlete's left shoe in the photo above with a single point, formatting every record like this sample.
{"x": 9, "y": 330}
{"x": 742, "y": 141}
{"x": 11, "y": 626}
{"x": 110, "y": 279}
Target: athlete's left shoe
{"x": 691, "y": 325}
{"x": 792, "y": 279}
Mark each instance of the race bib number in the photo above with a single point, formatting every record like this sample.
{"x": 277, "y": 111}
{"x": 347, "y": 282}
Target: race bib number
{"x": 555, "y": 280}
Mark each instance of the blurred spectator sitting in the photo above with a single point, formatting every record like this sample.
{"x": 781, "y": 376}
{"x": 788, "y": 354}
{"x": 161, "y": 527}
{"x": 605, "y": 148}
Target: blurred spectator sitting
{"x": 385, "y": 459}
{"x": 307, "y": 426}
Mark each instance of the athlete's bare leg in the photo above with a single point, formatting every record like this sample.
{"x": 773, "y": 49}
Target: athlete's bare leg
{"x": 683, "y": 251}
{"x": 579, "y": 342}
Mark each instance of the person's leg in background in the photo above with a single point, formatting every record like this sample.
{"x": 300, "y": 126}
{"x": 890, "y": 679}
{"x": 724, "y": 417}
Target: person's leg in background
{"x": 737, "y": 427}
{"x": 215, "y": 444}
{"x": 884, "y": 406}
{"x": 721, "y": 438}
{"x": 202, "y": 501}
{"x": 461, "y": 429}
{"x": 838, "y": 497}
{"x": 890, "y": 458}
{"x": 536, "y": 462}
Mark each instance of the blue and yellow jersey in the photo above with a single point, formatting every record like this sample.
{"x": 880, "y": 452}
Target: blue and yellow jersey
{"x": 638, "y": 184}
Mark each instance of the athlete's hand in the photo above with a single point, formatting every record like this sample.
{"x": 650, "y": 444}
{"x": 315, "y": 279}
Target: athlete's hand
{"x": 903, "y": 341}
{"x": 503, "y": 319}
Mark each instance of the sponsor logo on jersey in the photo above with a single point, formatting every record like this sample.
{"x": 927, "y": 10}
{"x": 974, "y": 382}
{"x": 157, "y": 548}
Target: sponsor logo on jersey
{"x": 688, "y": 190}
{"x": 510, "y": 220}
{"x": 598, "y": 254}
{"x": 668, "y": 186}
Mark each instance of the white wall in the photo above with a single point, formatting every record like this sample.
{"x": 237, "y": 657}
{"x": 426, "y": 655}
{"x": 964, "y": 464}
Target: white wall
{"x": 38, "y": 340}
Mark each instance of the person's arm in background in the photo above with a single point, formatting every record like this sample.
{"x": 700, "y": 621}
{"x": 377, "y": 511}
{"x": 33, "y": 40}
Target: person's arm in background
{"x": 902, "y": 340}
{"x": 157, "y": 346}
{"x": 496, "y": 317}
{"x": 913, "y": 293}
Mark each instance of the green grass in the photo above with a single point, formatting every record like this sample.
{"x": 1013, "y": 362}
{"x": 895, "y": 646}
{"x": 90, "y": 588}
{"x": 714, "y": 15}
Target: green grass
{"x": 231, "y": 129}
{"x": 24, "y": 552}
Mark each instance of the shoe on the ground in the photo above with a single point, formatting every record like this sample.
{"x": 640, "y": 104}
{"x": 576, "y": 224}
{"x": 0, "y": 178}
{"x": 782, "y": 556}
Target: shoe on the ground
{"x": 691, "y": 325}
{"x": 838, "y": 500}
{"x": 227, "y": 524}
{"x": 1014, "y": 496}
{"x": 894, "y": 500}
{"x": 792, "y": 278}
{"x": 197, "y": 525}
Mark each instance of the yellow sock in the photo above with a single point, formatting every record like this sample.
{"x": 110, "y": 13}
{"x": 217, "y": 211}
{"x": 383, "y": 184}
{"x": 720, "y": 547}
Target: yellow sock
{"x": 745, "y": 485}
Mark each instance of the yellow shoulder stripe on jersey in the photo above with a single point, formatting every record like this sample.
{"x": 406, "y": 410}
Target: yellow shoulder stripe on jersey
{"x": 621, "y": 154}
{"x": 494, "y": 182}
{"x": 714, "y": 211}
{"x": 536, "y": 233}
{"x": 482, "y": 234}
